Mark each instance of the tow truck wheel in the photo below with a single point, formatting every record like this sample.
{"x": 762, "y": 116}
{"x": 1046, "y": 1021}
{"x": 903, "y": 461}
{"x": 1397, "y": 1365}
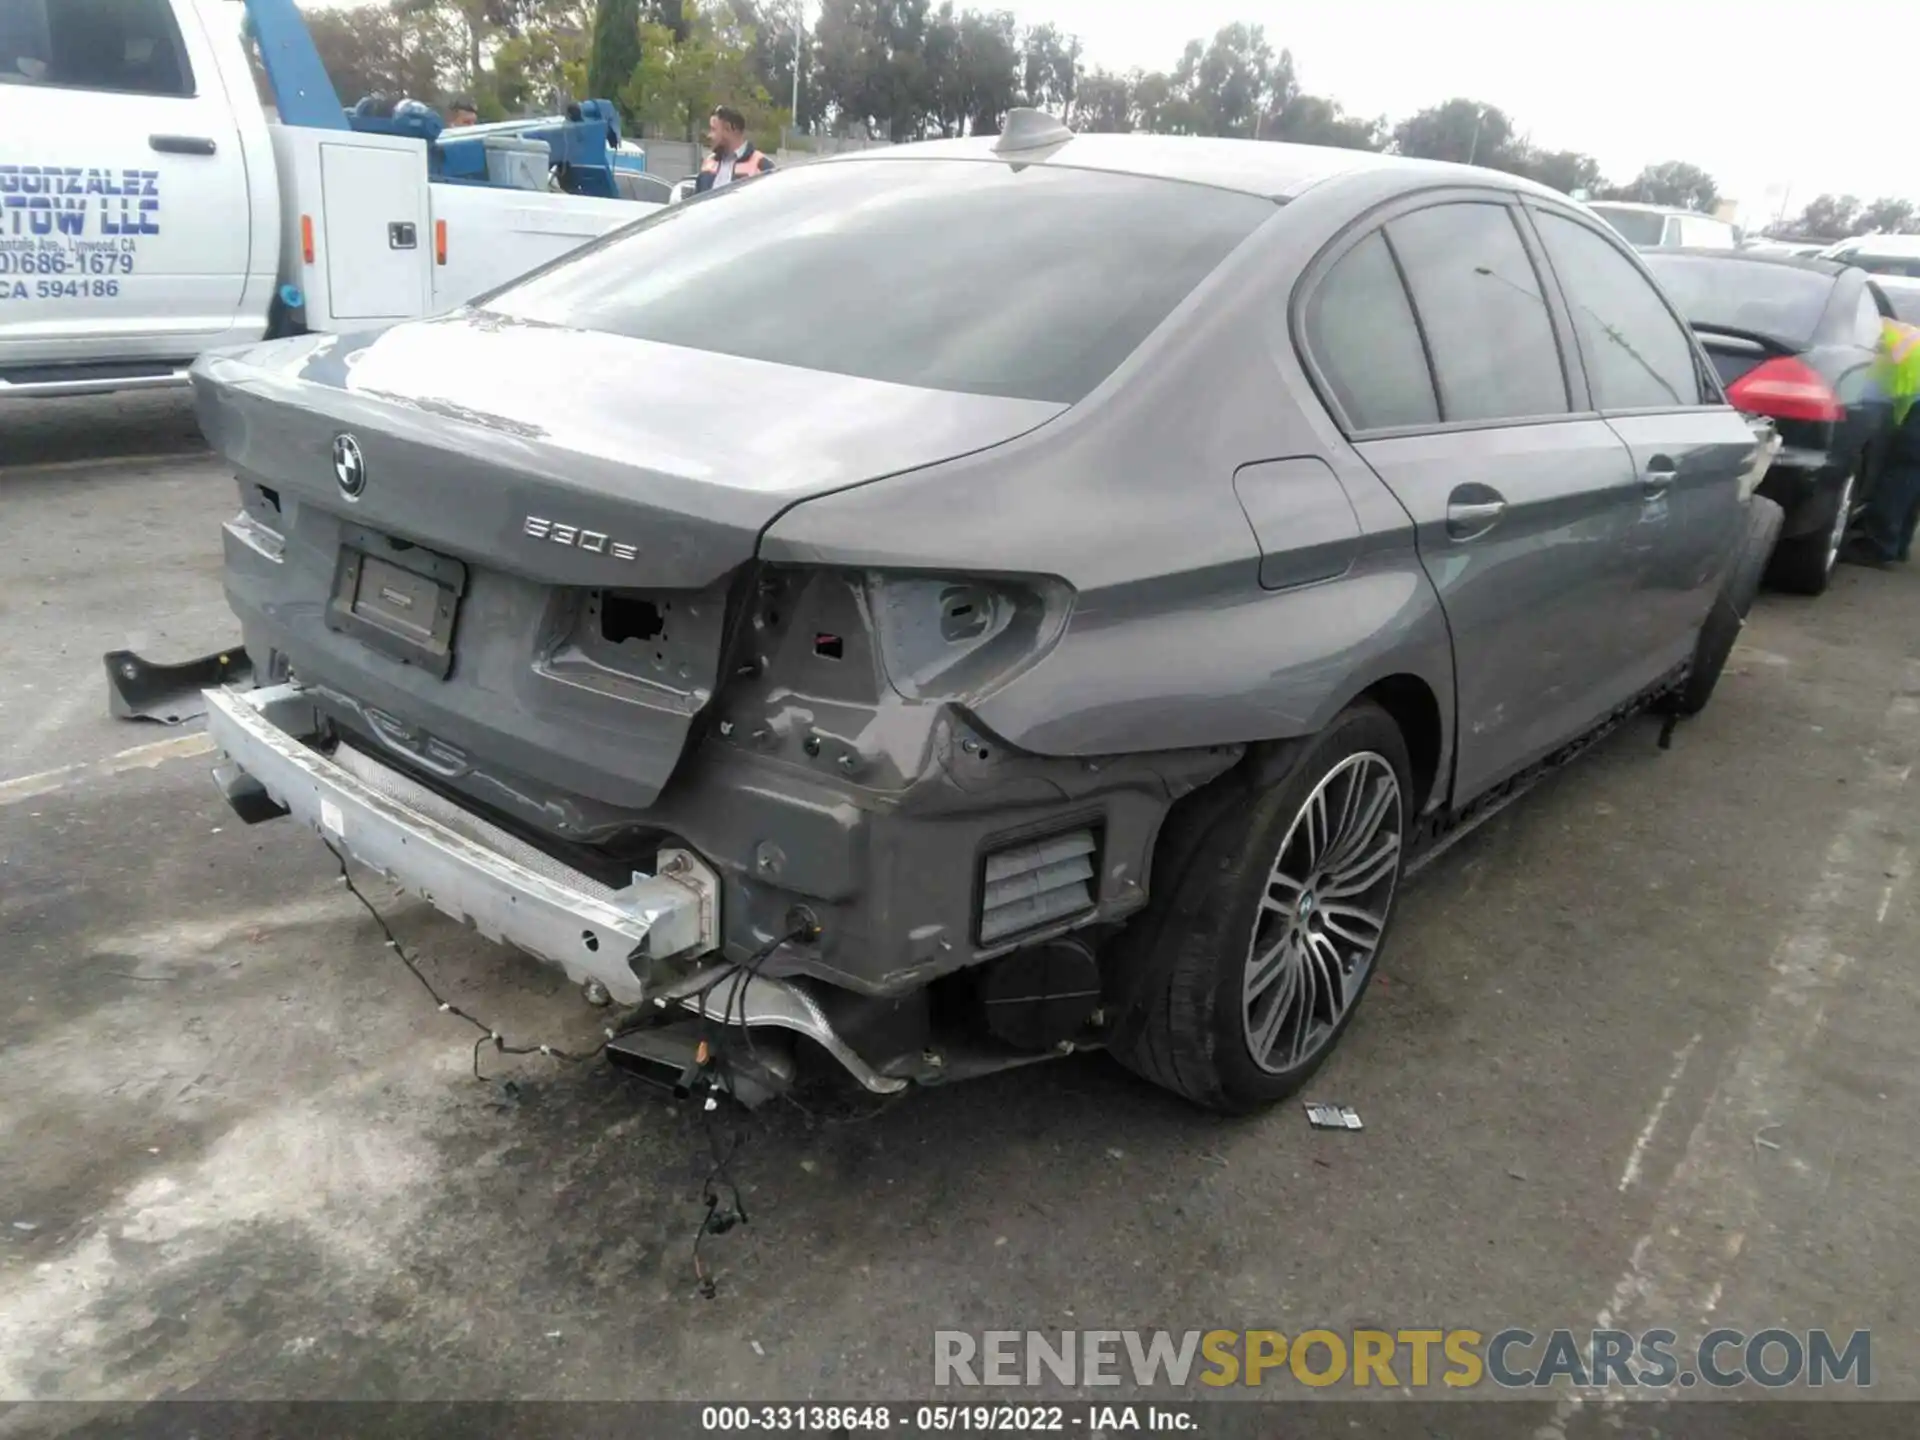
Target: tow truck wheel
{"x": 1255, "y": 963}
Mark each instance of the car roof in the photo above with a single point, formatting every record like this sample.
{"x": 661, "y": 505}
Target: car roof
{"x": 1907, "y": 247}
{"x": 1646, "y": 209}
{"x": 1778, "y": 258}
{"x": 1268, "y": 168}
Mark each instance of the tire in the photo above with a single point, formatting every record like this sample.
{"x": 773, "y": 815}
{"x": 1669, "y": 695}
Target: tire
{"x": 1730, "y": 607}
{"x": 1804, "y": 565}
{"x": 1235, "y": 895}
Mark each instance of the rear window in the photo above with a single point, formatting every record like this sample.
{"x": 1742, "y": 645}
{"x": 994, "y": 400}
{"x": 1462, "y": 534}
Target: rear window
{"x": 1779, "y": 301}
{"x": 1905, "y": 266}
{"x": 1033, "y": 282}
{"x": 1636, "y": 227}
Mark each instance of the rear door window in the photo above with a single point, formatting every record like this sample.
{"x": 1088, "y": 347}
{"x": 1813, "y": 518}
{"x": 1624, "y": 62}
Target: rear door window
{"x": 1482, "y": 311}
{"x": 128, "y": 47}
{"x": 1359, "y": 329}
{"x": 1638, "y": 356}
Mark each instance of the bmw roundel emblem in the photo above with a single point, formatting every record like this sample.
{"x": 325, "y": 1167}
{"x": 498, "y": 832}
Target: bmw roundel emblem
{"x": 348, "y": 468}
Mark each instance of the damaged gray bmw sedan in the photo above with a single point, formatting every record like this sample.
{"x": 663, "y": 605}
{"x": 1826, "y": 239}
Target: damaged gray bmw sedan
{"x": 961, "y": 603}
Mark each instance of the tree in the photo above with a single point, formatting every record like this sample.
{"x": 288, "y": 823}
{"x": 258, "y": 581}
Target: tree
{"x": 547, "y": 62}
{"x": 1232, "y": 86}
{"x": 615, "y": 51}
{"x": 679, "y": 80}
{"x": 986, "y": 78}
{"x": 1158, "y": 108}
{"x": 772, "y": 22}
{"x": 383, "y": 49}
{"x": 1673, "y": 182}
{"x": 1463, "y": 131}
{"x": 1048, "y": 63}
{"x": 1564, "y": 170}
{"x": 1888, "y": 216}
{"x": 1318, "y": 120}
{"x": 873, "y": 64}
{"x": 1103, "y": 103}
{"x": 1829, "y": 217}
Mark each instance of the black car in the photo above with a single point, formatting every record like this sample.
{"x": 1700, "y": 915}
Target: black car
{"x": 1794, "y": 339}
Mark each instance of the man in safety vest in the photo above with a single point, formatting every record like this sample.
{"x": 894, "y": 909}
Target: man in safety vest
{"x": 1886, "y": 528}
{"x": 733, "y": 157}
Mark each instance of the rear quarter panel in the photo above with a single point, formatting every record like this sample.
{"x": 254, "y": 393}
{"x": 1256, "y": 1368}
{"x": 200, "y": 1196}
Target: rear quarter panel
{"x": 1130, "y": 498}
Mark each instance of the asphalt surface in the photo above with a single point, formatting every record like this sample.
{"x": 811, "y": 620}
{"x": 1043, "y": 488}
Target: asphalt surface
{"x": 1641, "y": 1054}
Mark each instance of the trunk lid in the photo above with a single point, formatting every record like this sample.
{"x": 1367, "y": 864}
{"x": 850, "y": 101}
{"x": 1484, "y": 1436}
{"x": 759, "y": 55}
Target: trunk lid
{"x": 522, "y": 569}
{"x": 471, "y": 423}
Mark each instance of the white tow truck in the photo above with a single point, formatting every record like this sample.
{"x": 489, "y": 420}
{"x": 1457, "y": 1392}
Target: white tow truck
{"x": 151, "y": 210}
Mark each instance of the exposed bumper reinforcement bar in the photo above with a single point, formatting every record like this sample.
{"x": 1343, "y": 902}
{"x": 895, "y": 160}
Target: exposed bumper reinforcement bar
{"x": 471, "y": 870}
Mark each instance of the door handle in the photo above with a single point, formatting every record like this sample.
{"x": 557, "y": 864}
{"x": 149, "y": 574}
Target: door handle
{"x": 1468, "y": 518}
{"x": 182, "y": 144}
{"x": 1658, "y": 476}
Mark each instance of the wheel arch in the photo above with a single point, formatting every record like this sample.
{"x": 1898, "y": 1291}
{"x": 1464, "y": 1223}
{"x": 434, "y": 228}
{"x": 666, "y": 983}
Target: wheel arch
{"x": 1413, "y": 706}
{"x": 1411, "y": 702}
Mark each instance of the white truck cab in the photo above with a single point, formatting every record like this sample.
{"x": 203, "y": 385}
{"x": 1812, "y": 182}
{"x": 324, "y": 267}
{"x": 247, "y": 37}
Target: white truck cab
{"x": 129, "y": 231}
{"x": 150, "y": 211}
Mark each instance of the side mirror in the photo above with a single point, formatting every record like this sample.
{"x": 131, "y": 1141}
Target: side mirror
{"x": 682, "y": 189}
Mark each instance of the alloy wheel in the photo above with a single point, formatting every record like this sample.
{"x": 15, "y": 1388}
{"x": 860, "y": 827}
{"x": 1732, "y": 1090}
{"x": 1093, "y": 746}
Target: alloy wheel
{"x": 1323, "y": 913}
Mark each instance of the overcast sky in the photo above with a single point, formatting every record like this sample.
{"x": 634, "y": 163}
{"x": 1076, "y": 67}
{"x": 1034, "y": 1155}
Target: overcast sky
{"x": 1631, "y": 82}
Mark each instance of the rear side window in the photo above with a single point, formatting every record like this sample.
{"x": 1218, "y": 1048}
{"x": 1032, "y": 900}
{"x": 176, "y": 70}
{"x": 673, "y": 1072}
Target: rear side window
{"x": 1032, "y": 282}
{"x": 1905, "y": 266}
{"x": 1480, "y": 305}
{"x": 1360, "y": 331}
{"x": 1638, "y": 356}
{"x": 128, "y": 46}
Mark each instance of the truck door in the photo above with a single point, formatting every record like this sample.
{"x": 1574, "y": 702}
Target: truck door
{"x": 124, "y": 217}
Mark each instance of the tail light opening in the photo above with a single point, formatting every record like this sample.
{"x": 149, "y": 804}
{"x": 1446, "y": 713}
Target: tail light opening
{"x": 1786, "y": 388}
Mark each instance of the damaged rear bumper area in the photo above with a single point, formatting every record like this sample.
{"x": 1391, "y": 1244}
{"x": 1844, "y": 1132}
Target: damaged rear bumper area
{"x": 508, "y": 890}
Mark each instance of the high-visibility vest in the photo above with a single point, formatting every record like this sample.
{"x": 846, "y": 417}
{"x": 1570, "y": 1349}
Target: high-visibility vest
{"x": 747, "y": 164}
{"x": 1898, "y": 366}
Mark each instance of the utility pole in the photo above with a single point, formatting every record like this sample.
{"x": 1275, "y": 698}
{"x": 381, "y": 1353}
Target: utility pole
{"x": 799, "y": 28}
{"x": 1473, "y": 149}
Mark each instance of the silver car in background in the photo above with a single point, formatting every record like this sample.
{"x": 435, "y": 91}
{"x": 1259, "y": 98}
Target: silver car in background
{"x": 964, "y": 602}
